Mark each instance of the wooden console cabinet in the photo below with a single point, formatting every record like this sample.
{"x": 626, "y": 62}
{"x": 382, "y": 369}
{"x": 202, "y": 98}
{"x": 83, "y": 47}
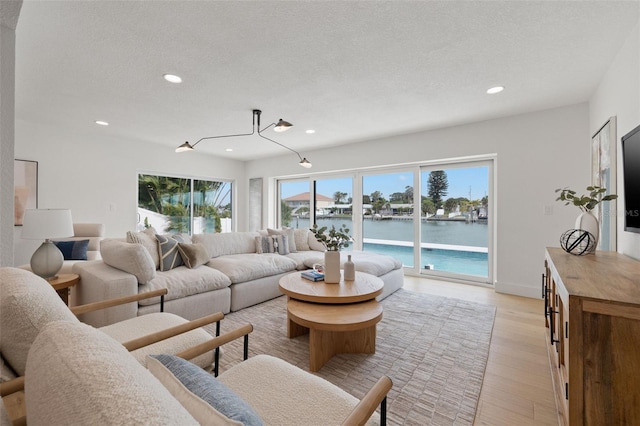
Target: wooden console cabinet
{"x": 592, "y": 313}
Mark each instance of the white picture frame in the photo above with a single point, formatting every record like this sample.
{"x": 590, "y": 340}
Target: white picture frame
{"x": 603, "y": 174}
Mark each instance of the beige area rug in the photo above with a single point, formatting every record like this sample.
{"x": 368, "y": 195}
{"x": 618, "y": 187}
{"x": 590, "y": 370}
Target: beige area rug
{"x": 434, "y": 349}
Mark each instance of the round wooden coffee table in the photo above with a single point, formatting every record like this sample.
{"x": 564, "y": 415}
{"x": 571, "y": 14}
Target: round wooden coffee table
{"x": 340, "y": 318}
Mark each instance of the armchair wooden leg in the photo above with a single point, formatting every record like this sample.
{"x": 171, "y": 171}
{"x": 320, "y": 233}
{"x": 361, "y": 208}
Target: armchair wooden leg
{"x": 216, "y": 353}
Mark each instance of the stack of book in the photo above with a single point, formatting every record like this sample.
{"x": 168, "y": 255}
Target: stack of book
{"x": 312, "y": 275}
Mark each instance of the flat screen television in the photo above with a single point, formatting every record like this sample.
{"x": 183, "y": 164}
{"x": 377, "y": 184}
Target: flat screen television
{"x": 631, "y": 180}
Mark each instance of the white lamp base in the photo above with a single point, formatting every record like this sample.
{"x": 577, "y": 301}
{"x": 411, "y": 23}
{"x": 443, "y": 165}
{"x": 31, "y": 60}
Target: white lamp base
{"x": 47, "y": 260}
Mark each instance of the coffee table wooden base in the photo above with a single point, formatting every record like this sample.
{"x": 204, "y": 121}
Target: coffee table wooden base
{"x": 334, "y": 329}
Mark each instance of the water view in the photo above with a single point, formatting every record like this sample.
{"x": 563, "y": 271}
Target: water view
{"x": 451, "y": 246}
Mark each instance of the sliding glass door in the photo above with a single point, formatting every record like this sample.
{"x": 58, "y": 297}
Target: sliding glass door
{"x": 326, "y": 202}
{"x": 436, "y": 219}
{"x": 387, "y": 215}
{"x": 455, "y": 215}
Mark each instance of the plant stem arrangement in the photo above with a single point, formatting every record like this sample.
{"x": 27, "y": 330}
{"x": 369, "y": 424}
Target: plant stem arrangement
{"x": 585, "y": 202}
{"x": 335, "y": 239}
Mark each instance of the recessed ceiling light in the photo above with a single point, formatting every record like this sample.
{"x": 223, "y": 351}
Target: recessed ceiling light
{"x": 102, "y": 123}
{"x": 495, "y": 90}
{"x": 172, "y": 78}
{"x": 310, "y": 131}
{"x": 229, "y": 149}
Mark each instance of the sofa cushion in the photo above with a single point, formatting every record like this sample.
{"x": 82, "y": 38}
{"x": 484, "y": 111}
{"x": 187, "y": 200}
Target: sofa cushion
{"x": 301, "y": 256}
{"x": 250, "y": 266}
{"x": 78, "y": 375}
{"x": 282, "y": 386}
{"x": 143, "y": 325}
{"x": 129, "y": 257}
{"x": 73, "y": 250}
{"x": 369, "y": 262}
{"x": 147, "y": 239}
{"x": 204, "y": 386}
{"x": 27, "y": 304}
{"x": 193, "y": 255}
{"x": 182, "y": 282}
{"x": 221, "y": 244}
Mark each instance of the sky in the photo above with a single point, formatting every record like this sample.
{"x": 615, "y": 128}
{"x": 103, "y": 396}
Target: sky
{"x": 461, "y": 181}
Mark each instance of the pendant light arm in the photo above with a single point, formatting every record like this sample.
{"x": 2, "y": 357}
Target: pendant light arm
{"x": 284, "y": 146}
{"x": 224, "y": 136}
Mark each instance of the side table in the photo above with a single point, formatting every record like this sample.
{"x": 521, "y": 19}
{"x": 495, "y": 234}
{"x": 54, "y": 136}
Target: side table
{"x": 62, "y": 283}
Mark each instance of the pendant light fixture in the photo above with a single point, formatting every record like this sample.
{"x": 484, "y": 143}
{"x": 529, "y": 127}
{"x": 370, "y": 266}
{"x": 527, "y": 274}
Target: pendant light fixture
{"x": 281, "y": 126}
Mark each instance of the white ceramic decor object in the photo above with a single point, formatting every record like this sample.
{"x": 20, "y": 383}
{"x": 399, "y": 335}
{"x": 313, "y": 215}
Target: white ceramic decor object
{"x": 349, "y": 270}
{"x": 331, "y": 267}
{"x": 588, "y": 222}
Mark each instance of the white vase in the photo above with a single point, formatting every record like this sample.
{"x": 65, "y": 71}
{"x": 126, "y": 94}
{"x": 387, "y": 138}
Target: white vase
{"x": 331, "y": 267}
{"x": 588, "y": 222}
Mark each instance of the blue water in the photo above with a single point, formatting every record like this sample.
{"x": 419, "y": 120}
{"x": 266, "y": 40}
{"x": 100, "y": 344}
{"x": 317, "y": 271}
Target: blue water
{"x": 454, "y": 261}
{"x": 446, "y": 232}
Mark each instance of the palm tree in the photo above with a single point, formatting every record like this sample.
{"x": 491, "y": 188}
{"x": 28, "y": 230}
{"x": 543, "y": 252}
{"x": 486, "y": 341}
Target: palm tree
{"x": 339, "y": 196}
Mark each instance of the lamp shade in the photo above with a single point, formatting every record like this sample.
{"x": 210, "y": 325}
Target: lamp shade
{"x": 282, "y": 126}
{"x": 184, "y": 147}
{"x": 43, "y": 224}
{"x": 305, "y": 163}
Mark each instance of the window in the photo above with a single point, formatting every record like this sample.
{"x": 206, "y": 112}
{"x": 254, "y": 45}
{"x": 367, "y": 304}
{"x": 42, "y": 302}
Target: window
{"x": 455, "y": 220}
{"x": 435, "y": 218}
{"x": 387, "y": 214}
{"x": 177, "y": 204}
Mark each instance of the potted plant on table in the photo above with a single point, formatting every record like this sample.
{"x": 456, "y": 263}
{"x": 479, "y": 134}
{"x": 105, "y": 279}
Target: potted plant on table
{"x": 333, "y": 240}
{"x": 586, "y": 203}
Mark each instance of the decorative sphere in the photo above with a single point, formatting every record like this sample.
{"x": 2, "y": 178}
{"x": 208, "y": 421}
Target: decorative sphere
{"x": 578, "y": 242}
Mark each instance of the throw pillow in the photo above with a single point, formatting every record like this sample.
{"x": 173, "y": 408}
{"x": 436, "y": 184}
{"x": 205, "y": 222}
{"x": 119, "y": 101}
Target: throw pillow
{"x": 147, "y": 239}
{"x": 129, "y": 257}
{"x": 314, "y": 244}
{"x": 264, "y": 245}
{"x": 193, "y": 255}
{"x": 168, "y": 251}
{"x": 272, "y": 244}
{"x": 281, "y": 244}
{"x": 291, "y": 239}
{"x": 73, "y": 250}
{"x": 301, "y": 237}
{"x": 204, "y": 386}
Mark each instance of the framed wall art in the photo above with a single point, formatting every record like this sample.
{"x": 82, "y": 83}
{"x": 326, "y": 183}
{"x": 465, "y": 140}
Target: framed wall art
{"x": 25, "y": 188}
{"x": 603, "y": 174}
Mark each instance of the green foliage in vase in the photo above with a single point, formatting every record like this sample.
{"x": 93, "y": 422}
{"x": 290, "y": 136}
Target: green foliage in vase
{"x": 585, "y": 202}
{"x": 335, "y": 239}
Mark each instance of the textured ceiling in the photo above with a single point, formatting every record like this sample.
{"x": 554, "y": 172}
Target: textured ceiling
{"x": 350, "y": 70}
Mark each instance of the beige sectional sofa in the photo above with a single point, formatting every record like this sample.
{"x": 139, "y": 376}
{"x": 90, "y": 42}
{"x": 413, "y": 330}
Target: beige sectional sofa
{"x": 236, "y": 273}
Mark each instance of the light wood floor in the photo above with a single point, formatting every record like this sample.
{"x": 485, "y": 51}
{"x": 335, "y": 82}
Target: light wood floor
{"x": 517, "y": 388}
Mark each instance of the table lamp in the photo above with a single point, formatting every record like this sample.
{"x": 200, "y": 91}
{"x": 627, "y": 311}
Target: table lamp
{"x": 45, "y": 224}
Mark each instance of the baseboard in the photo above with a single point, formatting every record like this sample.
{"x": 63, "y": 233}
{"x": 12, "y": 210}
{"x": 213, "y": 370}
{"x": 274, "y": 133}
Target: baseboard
{"x": 519, "y": 290}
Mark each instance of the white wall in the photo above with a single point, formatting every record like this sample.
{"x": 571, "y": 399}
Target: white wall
{"x": 619, "y": 95}
{"x": 96, "y": 175}
{"x": 537, "y": 153}
{"x": 9, "y": 12}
